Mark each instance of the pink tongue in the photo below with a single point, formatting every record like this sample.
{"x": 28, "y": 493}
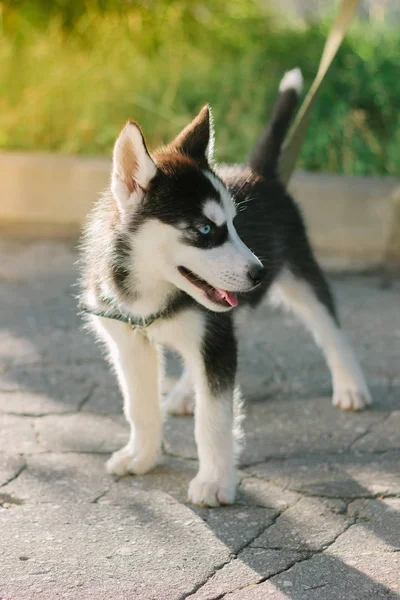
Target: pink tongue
{"x": 230, "y": 297}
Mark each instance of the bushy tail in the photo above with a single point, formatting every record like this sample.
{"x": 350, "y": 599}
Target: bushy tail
{"x": 265, "y": 156}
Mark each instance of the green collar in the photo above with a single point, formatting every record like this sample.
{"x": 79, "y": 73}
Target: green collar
{"x": 118, "y": 315}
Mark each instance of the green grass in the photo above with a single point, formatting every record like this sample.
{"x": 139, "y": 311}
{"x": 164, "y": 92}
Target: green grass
{"x": 69, "y": 87}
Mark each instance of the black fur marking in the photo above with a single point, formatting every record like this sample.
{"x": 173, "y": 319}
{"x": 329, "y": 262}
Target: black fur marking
{"x": 119, "y": 266}
{"x": 265, "y": 156}
{"x": 219, "y": 350}
{"x": 176, "y": 303}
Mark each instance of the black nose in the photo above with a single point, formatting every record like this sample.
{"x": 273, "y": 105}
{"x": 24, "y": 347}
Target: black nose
{"x": 256, "y": 274}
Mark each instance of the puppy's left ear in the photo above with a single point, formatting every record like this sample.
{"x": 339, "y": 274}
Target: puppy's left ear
{"x": 197, "y": 139}
{"x": 133, "y": 168}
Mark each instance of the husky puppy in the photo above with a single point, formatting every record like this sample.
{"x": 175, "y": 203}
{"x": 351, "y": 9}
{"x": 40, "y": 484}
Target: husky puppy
{"x": 168, "y": 258}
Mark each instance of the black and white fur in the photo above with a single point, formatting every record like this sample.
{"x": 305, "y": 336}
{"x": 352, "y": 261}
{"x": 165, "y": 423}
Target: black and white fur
{"x": 142, "y": 249}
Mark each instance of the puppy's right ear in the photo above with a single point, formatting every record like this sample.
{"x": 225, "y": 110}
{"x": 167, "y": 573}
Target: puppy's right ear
{"x": 133, "y": 168}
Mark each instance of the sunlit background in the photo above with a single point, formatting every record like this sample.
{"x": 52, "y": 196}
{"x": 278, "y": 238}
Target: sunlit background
{"x": 72, "y": 71}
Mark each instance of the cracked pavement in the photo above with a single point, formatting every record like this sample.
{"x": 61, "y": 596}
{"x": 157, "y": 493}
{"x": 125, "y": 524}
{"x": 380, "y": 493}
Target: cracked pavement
{"x": 318, "y": 509}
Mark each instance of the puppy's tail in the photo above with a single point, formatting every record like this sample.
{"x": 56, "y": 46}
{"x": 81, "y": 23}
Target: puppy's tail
{"x": 265, "y": 156}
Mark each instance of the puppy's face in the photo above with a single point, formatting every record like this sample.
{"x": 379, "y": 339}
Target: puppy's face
{"x": 178, "y": 219}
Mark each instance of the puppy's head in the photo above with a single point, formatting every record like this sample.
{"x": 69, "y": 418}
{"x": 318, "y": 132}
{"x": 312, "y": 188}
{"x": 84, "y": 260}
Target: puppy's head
{"x": 177, "y": 218}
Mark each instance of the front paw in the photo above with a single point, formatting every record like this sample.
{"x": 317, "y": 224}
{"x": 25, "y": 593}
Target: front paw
{"x": 208, "y": 492}
{"x": 128, "y": 461}
{"x": 352, "y": 398}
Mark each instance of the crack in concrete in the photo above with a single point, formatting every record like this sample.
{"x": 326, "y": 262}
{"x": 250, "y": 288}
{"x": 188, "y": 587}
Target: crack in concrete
{"x": 263, "y": 579}
{"x": 204, "y": 582}
{"x": 320, "y": 455}
{"x": 306, "y": 494}
{"x": 242, "y": 502}
{"x": 315, "y": 587}
{"x": 40, "y": 415}
{"x": 368, "y": 430}
{"x": 86, "y": 398}
{"x": 116, "y": 479}
{"x": 236, "y": 554}
{"x": 95, "y": 501}
{"x": 308, "y": 555}
{"x": 36, "y": 433}
{"x": 321, "y": 494}
{"x": 14, "y": 477}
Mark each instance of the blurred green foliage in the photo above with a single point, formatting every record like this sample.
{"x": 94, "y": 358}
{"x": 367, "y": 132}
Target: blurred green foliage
{"x": 73, "y": 71}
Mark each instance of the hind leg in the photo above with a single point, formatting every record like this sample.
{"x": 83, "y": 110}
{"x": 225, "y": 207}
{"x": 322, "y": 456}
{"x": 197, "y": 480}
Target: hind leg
{"x": 307, "y": 294}
{"x": 181, "y": 400}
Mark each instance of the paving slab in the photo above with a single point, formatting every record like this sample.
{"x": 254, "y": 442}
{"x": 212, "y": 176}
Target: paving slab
{"x": 15, "y": 349}
{"x": 156, "y": 548}
{"x": 10, "y": 466}
{"x": 376, "y": 529}
{"x": 237, "y": 526}
{"x": 171, "y": 476}
{"x": 364, "y": 315}
{"x": 17, "y": 435}
{"x": 59, "y": 478}
{"x": 37, "y": 390}
{"x": 385, "y": 436}
{"x": 253, "y": 490}
{"x": 330, "y": 578}
{"x": 345, "y": 475}
{"x": 362, "y": 562}
{"x": 251, "y": 566}
{"x": 308, "y": 526}
{"x": 42, "y": 340}
{"x": 289, "y": 426}
{"x": 179, "y": 437}
{"x": 81, "y": 432}
{"x": 106, "y": 397}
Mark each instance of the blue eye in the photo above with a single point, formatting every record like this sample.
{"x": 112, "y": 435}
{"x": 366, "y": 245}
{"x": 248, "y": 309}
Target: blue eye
{"x": 205, "y": 229}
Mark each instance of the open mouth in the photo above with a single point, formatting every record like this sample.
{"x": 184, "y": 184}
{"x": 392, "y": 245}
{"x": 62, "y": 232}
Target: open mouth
{"x": 221, "y": 297}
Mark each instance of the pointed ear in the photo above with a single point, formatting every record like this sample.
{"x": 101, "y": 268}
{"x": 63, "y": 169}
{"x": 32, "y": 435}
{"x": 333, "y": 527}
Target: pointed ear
{"x": 133, "y": 167}
{"x": 197, "y": 139}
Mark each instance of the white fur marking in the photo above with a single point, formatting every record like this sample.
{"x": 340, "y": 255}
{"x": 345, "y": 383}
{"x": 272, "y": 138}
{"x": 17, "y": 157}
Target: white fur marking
{"x": 227, "y": 201}
{"x": 214, "y": 211}
{"x": 292, "y": 80}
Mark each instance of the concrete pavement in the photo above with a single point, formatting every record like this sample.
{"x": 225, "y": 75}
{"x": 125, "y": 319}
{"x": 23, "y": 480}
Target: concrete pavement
{"x": 318, "y": 508}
